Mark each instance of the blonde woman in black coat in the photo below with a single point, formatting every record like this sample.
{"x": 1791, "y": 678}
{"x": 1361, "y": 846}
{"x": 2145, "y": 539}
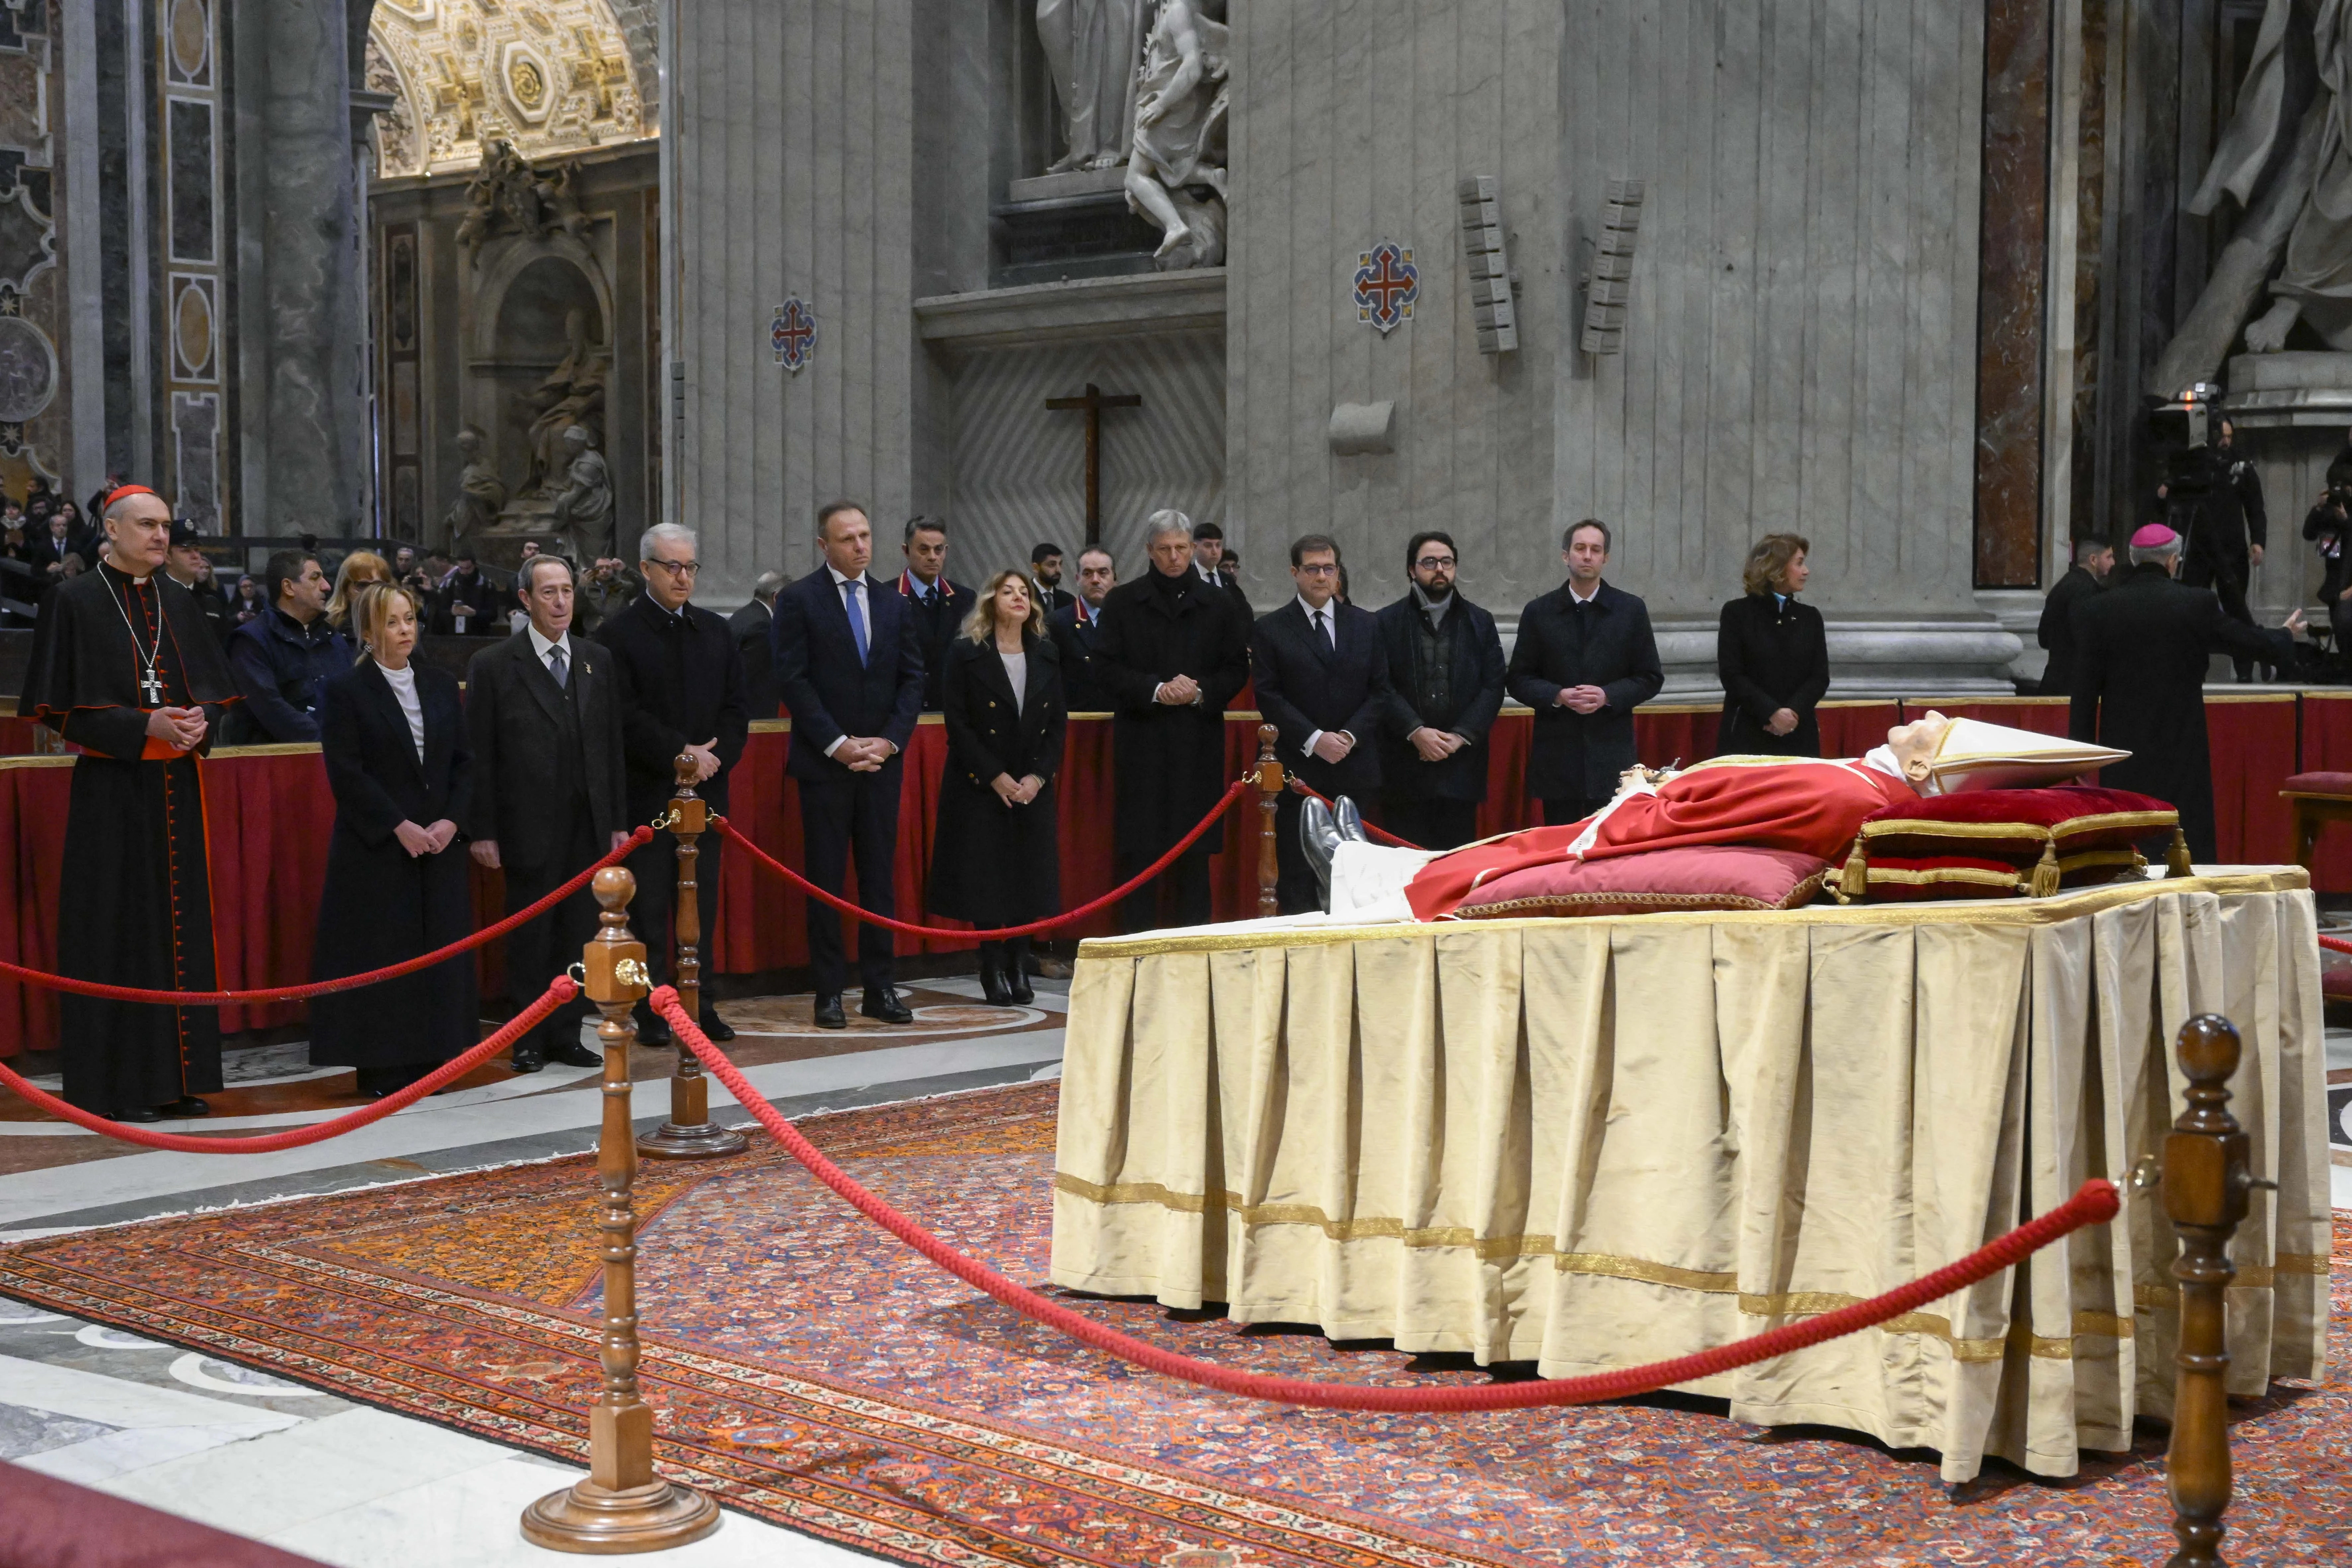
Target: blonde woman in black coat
{"x": 1772, "y": 655}
{"x": 397, "y": 884}
{"x": 994, "y": 863}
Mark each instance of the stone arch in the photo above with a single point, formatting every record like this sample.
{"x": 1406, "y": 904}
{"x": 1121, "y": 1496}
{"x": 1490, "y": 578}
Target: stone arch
{"x": 520, "y": 336}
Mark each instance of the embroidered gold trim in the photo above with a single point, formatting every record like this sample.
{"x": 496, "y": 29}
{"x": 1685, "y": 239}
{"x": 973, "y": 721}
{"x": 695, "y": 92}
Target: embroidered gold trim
{"x": 31, "y": 760}
{"x": 265, "y": 748}
{"x": 1563, "y": 906}
{"x": 2073, "y": 827}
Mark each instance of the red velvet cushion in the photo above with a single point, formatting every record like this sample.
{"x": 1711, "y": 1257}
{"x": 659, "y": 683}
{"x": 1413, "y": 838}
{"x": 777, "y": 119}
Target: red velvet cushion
{"x": 1899, "y": 879}
{"x": 1716, "y": 877}
{"x": 2015, "y": 824}
{"x": 2320, "y": 784}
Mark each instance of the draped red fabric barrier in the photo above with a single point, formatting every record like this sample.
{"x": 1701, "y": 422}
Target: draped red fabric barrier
{"x": 2328, "y": 748}
{"x": 268, "y": 814}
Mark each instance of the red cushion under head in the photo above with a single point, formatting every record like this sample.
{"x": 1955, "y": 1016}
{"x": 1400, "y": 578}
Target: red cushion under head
{"x": 2320, "y": 784}
{"x": 2016, "y": 824}
{"x": 1716, "y": 877}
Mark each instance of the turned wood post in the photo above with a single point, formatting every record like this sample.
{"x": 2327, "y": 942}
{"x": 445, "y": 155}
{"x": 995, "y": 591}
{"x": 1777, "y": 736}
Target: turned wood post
{"x": 1269, "y": 793}
{"x": 689, "y": 1133}
{"x": 2206, "y": 1180}
{"x": 622, "y": 1506}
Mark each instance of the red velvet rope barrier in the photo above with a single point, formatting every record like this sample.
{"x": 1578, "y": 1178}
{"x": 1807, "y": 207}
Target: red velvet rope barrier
{"x": 2094, "y": 1203}
{"x": 1374, "y": 828}
{"x": 559, "y": 991}
{"x": 722, "y": 825}
{"x": 343, "y": 982}
{"x": 2336, "y": 944}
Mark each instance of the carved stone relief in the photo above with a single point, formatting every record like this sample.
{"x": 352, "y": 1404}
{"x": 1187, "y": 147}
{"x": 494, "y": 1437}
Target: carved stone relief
{"x": 546, "y": 75}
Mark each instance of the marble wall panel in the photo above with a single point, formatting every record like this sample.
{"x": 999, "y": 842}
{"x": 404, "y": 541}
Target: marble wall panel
{"x": 2009, "y": 304}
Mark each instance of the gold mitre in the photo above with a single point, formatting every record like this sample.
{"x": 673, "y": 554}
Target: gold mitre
{"x": 1978, "y": 755}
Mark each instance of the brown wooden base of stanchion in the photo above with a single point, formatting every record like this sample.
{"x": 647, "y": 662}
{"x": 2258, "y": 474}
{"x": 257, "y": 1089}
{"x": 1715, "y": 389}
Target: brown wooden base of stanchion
{"x": 689, "y": 1133}
{"x": 591, "y": 1520}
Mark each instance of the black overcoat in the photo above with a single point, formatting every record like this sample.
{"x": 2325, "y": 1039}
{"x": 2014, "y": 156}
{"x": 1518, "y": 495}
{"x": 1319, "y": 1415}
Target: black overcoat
{"x": 681, "y": 683}
{"x": 993, "y": 864}
{"x": 2056, "y": 630}
{"x": 1473, "y": 696}
{"x": 1573, "y": 753}
{"x": 1171, "y": 760}
{"x": 2141, "y": 652}
{"x": 383, "y": 904}
{"x": 537, "y": 746}
{"x": 1305, "y": 683}
{"x": 1770, "y": 653}
{"x": 938, "y": 620}
{"x": 751, "y": 625}
{"x": 1076, "y": 639}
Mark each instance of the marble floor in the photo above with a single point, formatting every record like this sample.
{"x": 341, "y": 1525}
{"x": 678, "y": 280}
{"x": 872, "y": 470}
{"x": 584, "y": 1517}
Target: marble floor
{"x": 340, "y": 1482}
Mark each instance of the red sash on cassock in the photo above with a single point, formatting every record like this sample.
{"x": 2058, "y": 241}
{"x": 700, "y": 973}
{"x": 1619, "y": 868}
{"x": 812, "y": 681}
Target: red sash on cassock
{"x": 1809, "y": 806}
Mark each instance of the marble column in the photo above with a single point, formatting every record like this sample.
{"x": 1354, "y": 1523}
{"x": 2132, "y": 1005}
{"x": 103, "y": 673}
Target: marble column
{"x": 2009, "y": 302}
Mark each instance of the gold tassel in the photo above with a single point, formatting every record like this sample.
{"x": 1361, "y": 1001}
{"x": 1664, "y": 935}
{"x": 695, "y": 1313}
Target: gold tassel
{"x": 2044, "y": 880}
{"x": 2176, "y": 857}
{"x": 1853, "y": 882}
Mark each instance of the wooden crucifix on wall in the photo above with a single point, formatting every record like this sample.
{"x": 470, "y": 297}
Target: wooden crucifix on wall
{"x": 1094, "y": 401}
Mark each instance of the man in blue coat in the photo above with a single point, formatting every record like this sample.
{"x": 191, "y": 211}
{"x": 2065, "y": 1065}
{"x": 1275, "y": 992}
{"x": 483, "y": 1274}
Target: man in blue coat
{"x": 849, "y": 665}
{"x": 284, "y": 658}
{"x": 1445, "y": 664}
{"x": 1584, "y": 660}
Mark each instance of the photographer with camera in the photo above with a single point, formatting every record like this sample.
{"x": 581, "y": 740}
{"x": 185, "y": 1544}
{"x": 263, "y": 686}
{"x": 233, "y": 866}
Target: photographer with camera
{"x": 2213, "y": 500}
{"x": 2328, "y": 525}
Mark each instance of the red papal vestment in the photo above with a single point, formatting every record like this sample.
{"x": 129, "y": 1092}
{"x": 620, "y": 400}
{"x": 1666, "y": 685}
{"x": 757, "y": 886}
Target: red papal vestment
{"x": 1806, "y": 804}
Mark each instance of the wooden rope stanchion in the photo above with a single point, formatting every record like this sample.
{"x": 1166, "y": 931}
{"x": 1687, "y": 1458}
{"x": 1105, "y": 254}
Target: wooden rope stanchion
{"x": 622, "y": 1506}
{"x": 1270, "y": 783}
{"x": 2206, "y": 1180}
{"x": 689, "y": 1133}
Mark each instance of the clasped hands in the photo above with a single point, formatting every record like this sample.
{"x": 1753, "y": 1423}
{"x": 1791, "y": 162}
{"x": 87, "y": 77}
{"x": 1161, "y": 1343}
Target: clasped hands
{"x": 182, "y": 729}
{"x": 1013, "y": 794}
{"x": 705, "y": 758}
{"x": 861, "y": 753}
{"x": 1333, "y": 746}
{"x": 425, "y": 840}
{"x": 1582, "y": 698}
{"x": 1178, "y": 691}
{"x": 1436, "y": 745}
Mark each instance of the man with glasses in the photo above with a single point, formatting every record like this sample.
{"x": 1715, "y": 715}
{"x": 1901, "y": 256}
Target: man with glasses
{"x": 680, "y": 678}
{"x": 1322, "y": 675}
{"x": 1445, "y": 665}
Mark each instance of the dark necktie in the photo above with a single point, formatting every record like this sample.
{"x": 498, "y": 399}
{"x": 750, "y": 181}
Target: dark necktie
{"x": 1324, "y": 631}
{"x": 559, "y": 667}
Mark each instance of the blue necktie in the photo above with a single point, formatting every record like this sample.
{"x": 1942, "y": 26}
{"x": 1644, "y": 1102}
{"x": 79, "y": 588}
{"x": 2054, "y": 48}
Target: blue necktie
{"x": 850, "y": 596}
{"x": 558, "y": 666}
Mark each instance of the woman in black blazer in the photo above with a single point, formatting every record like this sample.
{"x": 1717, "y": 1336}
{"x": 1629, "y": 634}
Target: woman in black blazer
{"x": 995, "y": 862}
{"x": 1772, "y": 655}
{"x": 397, "y": 884}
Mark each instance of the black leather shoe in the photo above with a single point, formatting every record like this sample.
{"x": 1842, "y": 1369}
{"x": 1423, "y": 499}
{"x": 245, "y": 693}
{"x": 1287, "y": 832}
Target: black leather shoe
{"x": 141, "y": 1113}
{"x": 1318, "y": 841}
{"x": 882, "y": 1002}
{"x": 992, "y": 989}
{"x": 653, "y": 1029}
{"x": 529, "y": 1058}
{"x": 1016, "y": 981}
{"x": 829, "y": 1014}
{"x": 187, "y": 1105}
{"x": 572, "y": 1054}
{"x": 1349, "y": 821}
{"x": 716, "y": 1029}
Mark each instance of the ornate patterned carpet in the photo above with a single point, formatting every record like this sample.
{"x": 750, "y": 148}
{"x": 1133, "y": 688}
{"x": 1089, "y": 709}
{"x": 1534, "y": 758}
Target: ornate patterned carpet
{"x": 809, "y": 1369}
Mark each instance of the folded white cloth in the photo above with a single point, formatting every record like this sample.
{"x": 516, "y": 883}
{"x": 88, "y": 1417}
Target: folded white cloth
{"x": 1368, "y": 881}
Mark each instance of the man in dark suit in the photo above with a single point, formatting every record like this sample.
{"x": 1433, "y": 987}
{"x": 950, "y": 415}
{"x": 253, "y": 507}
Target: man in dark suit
{"x": 469, "y": 605}
{"x": 751, "y": 626}
{"x": 2141, "y": 652}
{"x": 849, "y": 662}
{"x": 544, "y": 716}
{"x": 1584, "y": 660}
{"x": 1445, "y": 667}
{"x": 1172, "y": 650}
{"x": 2095, "y": 558}
{"x": 939, "y": 606}
{"x": 1322, "y": 675}
{"x": 1209, "y": 566}
{"x": 1045, "y": 576}
{"x": 1077, "y": 626}
{"x": 681, "y": 694}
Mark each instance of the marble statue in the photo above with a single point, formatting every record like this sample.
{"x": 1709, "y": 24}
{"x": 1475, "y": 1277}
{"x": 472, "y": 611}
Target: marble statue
{"x": 584, "y": 508}
{"x": 2302, "y": 217}
{"x": 508, "y": 196}
{"x": 571, "y": 394}
{"x": 1179, "y": 146}
{"x": 480, "y": 491}
{"x": 1091, "y": 51}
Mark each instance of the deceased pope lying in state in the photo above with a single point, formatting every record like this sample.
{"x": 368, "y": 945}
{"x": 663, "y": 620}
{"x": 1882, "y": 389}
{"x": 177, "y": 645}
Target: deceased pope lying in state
{"x": 1810, "y": 805}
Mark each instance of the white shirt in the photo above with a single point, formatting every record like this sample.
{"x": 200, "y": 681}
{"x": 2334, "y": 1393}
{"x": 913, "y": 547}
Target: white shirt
{"x": 1330, "y": 636}
{"x": 1016, "y": 670}
{"x": 540, "y": 645}
{"x": 403, "y": 682}
{"x": 1584, "y": 598}
{"x": 865, "y": 613}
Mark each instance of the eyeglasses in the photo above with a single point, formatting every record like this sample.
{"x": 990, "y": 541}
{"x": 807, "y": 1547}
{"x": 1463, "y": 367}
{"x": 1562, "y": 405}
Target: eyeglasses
{"x": 1320, "y": 569}
{"x": 678, "y": 568}
{"x": 1432, "y": 563}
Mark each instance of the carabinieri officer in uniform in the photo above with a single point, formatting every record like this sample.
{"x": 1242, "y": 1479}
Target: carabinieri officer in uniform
{"x": 125, "y": 667}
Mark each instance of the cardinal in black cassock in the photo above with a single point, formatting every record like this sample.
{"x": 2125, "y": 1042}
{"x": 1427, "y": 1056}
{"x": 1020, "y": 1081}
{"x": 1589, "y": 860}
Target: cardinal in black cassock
{"x": 125, "y": 667}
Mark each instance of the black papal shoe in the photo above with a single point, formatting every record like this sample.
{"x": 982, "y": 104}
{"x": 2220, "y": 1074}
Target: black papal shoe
{"x": 1349, "y": 821}
{"x": 716, "y": 1029}
{"x": 829, "y": 1014}
{"x": 882, "y": 1002}
{"x": 1318, "y": 840}
{"x": 572, "y": 1054}
{"x": 187, "y": 1105}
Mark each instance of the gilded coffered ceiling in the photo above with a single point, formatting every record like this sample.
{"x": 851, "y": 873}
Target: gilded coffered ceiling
{"x": 546, "y": 76}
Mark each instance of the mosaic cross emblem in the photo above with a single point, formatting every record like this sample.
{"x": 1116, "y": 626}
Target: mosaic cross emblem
{"x": 793, "y": 334}
{"x": 1387, "y": 283}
